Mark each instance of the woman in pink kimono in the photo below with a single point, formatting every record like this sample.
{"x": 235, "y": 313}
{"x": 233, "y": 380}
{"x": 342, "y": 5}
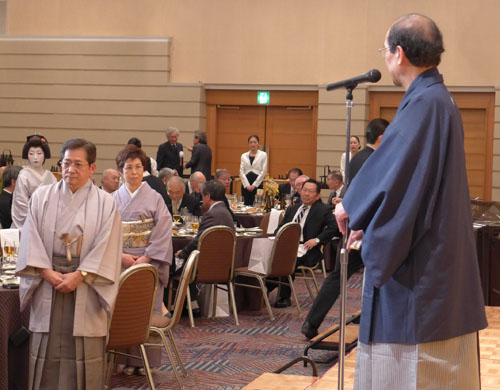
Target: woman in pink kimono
{"x": 147, "y": 232}
{"x": 36, "y": 150}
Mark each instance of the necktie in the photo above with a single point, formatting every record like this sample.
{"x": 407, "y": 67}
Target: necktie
{"x": 334, "y": 194}
{"x": 301, "y": 214}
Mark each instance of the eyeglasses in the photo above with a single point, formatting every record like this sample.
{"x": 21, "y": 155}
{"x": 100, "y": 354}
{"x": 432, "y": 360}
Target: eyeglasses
{"x": 382, "y": 50}
{"x": 130, "y": 168}
{"x": 309, "y": 191}
{"x": 66, "y": 164}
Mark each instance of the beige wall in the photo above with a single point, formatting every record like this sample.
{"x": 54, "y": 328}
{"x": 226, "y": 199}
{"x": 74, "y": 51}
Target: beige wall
{"x": 105, "y": 90}
{"x": 227, "y": 42}
{"x": 278, "y": 41}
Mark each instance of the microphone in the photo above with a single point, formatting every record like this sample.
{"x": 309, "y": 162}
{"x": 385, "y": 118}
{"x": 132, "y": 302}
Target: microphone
{"x": 371, "y": 76}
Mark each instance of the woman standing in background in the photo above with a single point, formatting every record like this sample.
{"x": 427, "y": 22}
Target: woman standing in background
{"x": 253, "y": 168}
{"x": 355, "y": 145}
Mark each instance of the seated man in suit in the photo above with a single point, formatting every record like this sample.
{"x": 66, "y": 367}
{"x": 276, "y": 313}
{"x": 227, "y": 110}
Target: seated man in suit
{"x": 216, "y": 213}
{"x": 318, "y": 227}
{"x": 193, "y": 186}
{"x": 289, "y": 188}
{"x": 179, "y": 199}
{"x": 330, "y": 289}
{"x": 335, "y": 182}
{"x": 224, "y": 176}
{"x": 9, "y": 177}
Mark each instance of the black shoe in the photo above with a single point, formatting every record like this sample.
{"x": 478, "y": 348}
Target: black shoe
{"x": 309, "y": 331}
{"x": 196, "y": 312}
{"x": 282, "y": 303}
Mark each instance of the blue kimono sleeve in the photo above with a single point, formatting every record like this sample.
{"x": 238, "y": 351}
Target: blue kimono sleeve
{"x": 393, "y": 196}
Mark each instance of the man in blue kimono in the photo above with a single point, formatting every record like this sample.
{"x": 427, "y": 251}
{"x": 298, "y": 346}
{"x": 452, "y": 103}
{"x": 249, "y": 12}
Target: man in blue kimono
{"x": 422, "y": 300}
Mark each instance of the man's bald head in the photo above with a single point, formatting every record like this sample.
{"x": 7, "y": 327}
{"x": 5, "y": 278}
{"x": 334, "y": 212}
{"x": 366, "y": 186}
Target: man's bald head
{"x": 110, "y": 180}
{"x": 197, "y": 179}
{"x": 420, "y": 39}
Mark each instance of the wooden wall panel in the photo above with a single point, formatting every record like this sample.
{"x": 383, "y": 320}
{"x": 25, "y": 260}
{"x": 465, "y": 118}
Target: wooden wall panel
{"x": 105, "y": 90}
{"x": 477, "y": 110}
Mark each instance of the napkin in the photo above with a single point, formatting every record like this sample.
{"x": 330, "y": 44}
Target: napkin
{"x": 274, "y": 220}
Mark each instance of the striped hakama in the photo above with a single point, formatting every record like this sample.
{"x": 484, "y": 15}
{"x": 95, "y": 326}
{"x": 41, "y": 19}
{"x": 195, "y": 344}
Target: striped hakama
{"x": 448, "y": 364}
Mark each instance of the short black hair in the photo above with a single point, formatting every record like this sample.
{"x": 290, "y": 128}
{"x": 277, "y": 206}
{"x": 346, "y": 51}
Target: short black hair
{"x": 11, "y": 172}
{"x": 318, "y": 186}
{"x": 375, "y": 128}
{"x": 135, "y": 141}
{"x": 215, "y": 189}
{"x": 298, "y": 171}
{"x": 420, "y": 39}
{"x": 80, "y": 143}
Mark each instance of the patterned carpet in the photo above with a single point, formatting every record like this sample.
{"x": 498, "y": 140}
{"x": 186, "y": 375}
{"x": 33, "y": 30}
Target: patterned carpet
{"x": 221, "y": 356}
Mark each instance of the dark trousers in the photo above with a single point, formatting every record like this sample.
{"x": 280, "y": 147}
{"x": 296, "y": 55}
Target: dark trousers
{"x": 249, "y": 196}
{"x": 330, "y": 290}
{"x": 284, "y": 290}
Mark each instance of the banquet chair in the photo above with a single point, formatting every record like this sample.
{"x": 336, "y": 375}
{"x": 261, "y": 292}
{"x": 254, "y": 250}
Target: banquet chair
{"x": 131, "y": 316}
{"x": 282, "y": 263}
{"x": 162, "y": 325}
{"x": 215, "y": 265}
{"x": 264, "y": 223}
{"x": 302, "y": 273}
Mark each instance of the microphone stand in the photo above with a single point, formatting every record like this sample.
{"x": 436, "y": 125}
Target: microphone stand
{"x": 344, "y": 255}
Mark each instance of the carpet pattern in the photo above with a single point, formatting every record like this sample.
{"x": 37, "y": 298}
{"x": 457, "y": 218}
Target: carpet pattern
{"x": 219, "y": 355}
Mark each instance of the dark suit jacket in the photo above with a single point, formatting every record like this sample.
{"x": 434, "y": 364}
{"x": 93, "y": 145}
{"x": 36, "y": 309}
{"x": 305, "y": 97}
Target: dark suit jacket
{"x": 284, "y": 189}
{"x": 201, "y": 160}
{"x": 168, "y": 157}
{"x": 217, "y": 215}
{"x": 188, "y": 201}
{"x": 319, "y": 223}
{"x": 358, "y": 160}
{"x": 5, "y": 207}
{"x": 156, "y": 184}
{"x": 196, "y": 195}
{"x": 226, "y": 203}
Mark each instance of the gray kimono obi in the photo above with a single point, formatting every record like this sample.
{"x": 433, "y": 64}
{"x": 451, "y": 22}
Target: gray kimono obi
{"x": 62, "y": 265}
{"x": 136, "y": 234}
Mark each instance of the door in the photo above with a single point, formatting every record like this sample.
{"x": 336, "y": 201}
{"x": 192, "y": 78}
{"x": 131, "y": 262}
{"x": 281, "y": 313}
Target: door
{"x": 290, "y": 140}
{"x": 286, "y": 127}
{"x": 477, "y": 109}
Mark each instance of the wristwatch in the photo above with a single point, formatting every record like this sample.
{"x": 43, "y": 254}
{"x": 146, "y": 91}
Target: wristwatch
{"x": 317, "y": 240}
{"x": 84, "y": 273}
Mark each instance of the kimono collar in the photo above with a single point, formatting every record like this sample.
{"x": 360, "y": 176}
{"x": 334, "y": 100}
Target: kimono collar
{"x": 425, "y": 79}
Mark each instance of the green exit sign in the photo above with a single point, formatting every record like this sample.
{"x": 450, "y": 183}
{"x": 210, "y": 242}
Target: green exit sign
{"x": 263, "y": 97}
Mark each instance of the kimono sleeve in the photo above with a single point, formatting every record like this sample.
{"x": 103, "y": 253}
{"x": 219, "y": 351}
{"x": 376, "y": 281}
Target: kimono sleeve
{"x": 160, "y": 242}
{"x": 393, "y": 195}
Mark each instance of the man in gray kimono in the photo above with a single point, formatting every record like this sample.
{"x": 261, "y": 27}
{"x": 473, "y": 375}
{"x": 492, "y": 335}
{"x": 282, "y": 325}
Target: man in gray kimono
{"x": 422, "y": 299}
{"x": 69, "y": 264}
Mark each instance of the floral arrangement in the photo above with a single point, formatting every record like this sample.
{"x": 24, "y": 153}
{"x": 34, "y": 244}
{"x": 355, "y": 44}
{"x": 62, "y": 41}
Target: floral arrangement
{"x": 270, "y": 187}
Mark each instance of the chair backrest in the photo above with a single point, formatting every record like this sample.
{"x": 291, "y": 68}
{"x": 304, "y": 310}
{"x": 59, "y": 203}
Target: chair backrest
{"x": 284, "y": 253}
{"x": 264, "y": 223}
{"x": 180, "y": 295}
{"x": 131, "y": 315}
{"x": 215, "y": 262}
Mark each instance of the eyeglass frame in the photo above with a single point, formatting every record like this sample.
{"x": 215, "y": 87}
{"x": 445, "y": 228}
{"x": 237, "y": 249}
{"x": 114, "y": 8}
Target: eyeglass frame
{"x": 67, "y": 164}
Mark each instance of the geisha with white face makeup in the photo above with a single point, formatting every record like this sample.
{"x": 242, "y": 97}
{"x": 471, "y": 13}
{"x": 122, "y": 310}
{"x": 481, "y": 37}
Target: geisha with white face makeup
{"x": 36, "y": 157}
{"x": 36, "y": 150}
